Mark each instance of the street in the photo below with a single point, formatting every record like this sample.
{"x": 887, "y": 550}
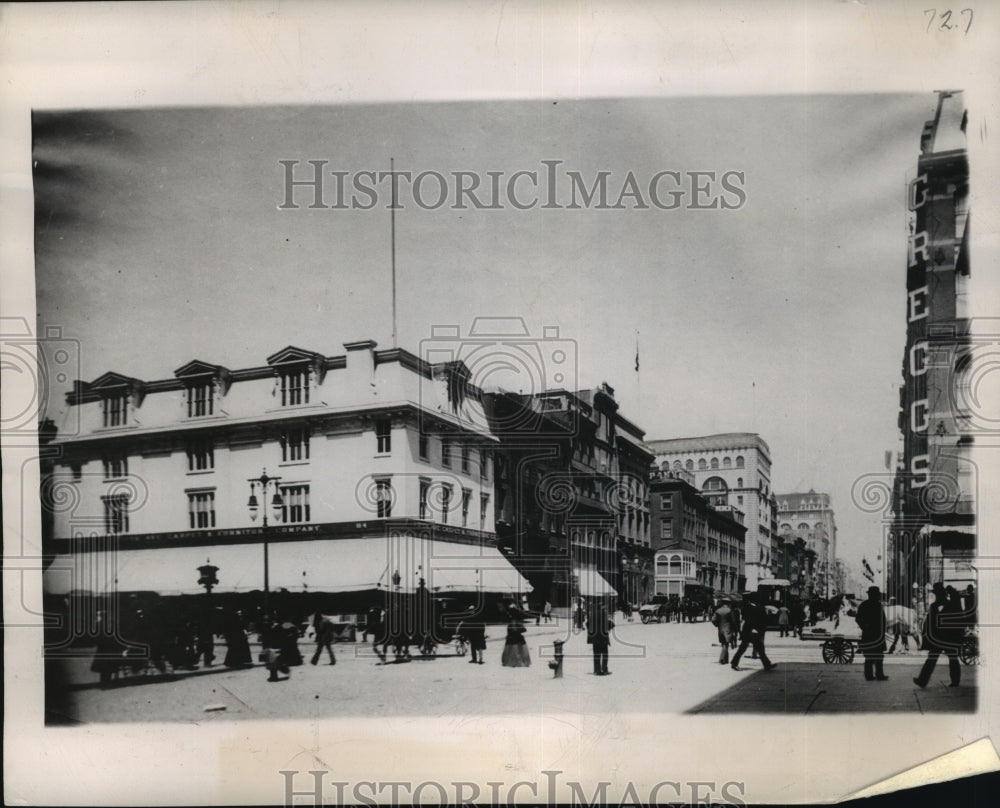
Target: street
{"x": 670, "y": 668}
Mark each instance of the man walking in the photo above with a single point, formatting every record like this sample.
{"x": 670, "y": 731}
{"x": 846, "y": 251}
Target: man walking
{"x": 599, "y": 627}
{"x": 871, "y": 620}
{"x": 724, "y": 619}
{"x": 942, "y": 635}
{"x": 754, "y": 627}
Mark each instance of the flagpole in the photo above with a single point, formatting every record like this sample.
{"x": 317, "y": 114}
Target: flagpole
{"x": 392, "y": 226}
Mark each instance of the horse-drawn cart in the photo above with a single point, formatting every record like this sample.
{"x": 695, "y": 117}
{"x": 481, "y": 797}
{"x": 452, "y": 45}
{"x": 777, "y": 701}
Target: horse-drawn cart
{"x": 837, "y": 647}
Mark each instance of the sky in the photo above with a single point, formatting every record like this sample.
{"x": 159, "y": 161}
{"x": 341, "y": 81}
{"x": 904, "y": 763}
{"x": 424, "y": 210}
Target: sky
{"x": 160, "y": 238}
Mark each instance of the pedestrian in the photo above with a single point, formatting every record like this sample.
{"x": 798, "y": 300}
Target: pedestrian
{"x": 941, "y": 635}
{"x": 326, "y": 635}
{"x": 474, "y": 632}
{"x": 723, "y": 619}
{"x": 579, "y": 617}
{"x": 734, "y": 640}
{"x": 273, "y": 640}
{"x": 547, "y": 611}
{"x": 871, "y": 620}
{"x": 754, "y": 628}
{"x": 237, "y": 646}
{"x": 599, "y": 625}
{"x": 290, "y": 643}
{"x": 783, "y": 619}
{"x": 515, "y": 649}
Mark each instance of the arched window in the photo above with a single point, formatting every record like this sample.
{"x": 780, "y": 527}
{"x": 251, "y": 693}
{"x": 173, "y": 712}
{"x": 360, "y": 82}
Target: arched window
{"x": 786, "y": 528}
{"x": 739, "y": 461}
{"x": 662, "y": 565}
{"x": 715, "y": 484}
{"x": 702, "y": 465}
{"x": 727, "y": 463}
{"x": 715, "y": 462}
{"x": 675, "y": 565}
{"x": 665, "y": 465}
{"x": 739, "y": 482}
{"x": 803, "y": 527}
{"x": 678, "y": 465}
{"x": 689, "y": 465}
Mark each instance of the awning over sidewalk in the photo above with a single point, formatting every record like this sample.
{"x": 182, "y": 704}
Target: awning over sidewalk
{"x": 321, "y": 565}
{"x": 591, "y": 583}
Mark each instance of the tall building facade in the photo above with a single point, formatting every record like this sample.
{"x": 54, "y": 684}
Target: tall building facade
{"x": 933, "y": 532}
{"x": 810, "y": 517}
{"x": 572, "y": 494}
{"x": 699, "y": 547}
{"x": 732, "y": 469}
{"x": 336, "y": 474}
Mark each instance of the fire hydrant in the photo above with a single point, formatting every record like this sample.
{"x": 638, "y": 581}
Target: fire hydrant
{"x": 557, "y": 664}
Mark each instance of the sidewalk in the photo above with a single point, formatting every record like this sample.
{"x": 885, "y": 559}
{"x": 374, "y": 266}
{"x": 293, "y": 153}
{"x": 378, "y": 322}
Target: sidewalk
{"x": 800, "y": 688}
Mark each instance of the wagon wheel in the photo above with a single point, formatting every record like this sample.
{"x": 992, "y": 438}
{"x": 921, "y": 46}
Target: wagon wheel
{"x": 838, "y": 651}
{"x": 645, "y": 617}
{"x": 969, "y": 652}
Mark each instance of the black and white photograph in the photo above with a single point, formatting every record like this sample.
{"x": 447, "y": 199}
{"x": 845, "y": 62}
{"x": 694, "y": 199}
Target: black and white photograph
{"x": 527, "y": 442}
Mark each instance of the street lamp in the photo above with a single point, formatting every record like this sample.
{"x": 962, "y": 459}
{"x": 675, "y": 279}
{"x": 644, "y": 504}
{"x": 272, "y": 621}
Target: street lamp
{"x": 277, "y": 504}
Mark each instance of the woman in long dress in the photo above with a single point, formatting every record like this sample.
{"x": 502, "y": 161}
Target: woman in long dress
{"x": 515, "y": 649}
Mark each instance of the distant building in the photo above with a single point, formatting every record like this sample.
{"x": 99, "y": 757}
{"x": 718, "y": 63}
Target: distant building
{"x": 732, "y": 469}
{"x": 810, "y": 517}
{"x": 933, "y": 535}
{"x": 384, "y": 476}
{"x": 699, "y": 547}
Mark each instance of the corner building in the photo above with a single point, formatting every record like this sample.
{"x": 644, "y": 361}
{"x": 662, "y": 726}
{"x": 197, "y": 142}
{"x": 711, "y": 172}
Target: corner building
{"x": 385, "y": 476}
{"x": 732, "y": 469}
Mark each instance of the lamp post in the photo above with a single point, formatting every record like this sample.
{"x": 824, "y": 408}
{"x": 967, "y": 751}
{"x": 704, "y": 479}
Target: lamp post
{"x": 276, "y": 504}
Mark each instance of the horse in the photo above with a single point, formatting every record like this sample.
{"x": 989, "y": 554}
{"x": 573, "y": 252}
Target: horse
{"x": 902, "y": 621}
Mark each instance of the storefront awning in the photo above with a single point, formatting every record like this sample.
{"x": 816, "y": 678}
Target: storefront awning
{"x": 330, "y": 565}
{"x": 592, "y": 584}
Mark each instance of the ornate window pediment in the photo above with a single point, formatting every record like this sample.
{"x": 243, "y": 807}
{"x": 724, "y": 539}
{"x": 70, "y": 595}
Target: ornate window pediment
{"x": 204, "y": 386}
{"x": 298, "y": 372}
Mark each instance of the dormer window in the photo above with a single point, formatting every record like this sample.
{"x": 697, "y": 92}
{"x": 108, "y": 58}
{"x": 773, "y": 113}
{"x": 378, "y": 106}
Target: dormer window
{"x": 200, "y": 400}
{"x": 294, "y": 387}
{"x": 115, "y": 409}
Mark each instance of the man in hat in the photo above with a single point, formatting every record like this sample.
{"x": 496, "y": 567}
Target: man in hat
{"x": 754, "y": 628}
{"x": 942, "y": 635}
{"x": 871, "y": 620}
{"x": 725, "y": 620}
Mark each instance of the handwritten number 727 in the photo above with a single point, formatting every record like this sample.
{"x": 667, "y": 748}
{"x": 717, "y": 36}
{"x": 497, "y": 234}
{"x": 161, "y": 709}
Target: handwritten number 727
{"x": 945, "y": 16}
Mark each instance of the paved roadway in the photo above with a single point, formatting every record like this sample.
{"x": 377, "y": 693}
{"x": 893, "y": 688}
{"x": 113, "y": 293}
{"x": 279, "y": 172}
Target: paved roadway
{"x": 668, "y": 668}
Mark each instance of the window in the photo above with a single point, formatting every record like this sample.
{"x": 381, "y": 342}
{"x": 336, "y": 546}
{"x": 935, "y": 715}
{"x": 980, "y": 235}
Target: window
{"x": 383, "y": 436}
{"x": 702, "y": 465}
{"x": 715, "y": 462}
{"x": 115, "y": 514}
{"x": 739, "y": 500}
{"x": 425, "y": 487}
{"x": 666, "y": 528}
{"x": 666, "y": 501}
{"x": 485, "y": 459}
{"x": 295, "y": 444}
{"x": 115, "y": 410}
{"x": 445, "y": 452}
{"x": 466, "y": 500}
{"x": 677, "y": 465}
{"x": 484, "y": 504}
{"x": 294, "y": 387}
{"x": 739, "y": 461}
{"x": 201, "y": 509}
{"x": 383, "y": 498}
{"x": 739, "y": 482}
{"x": 115, "y": 467}
{"x": 295, "y": 504}
{"x": 200, "y": 400}
{"x": 466, "y": 456}
{"x": 423, "y": 446}
{"x": 201, "y": 455}
{"x": 727, "y": 463}
{"x": 445, "y": 503}
{"x": 689, "y": 465}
